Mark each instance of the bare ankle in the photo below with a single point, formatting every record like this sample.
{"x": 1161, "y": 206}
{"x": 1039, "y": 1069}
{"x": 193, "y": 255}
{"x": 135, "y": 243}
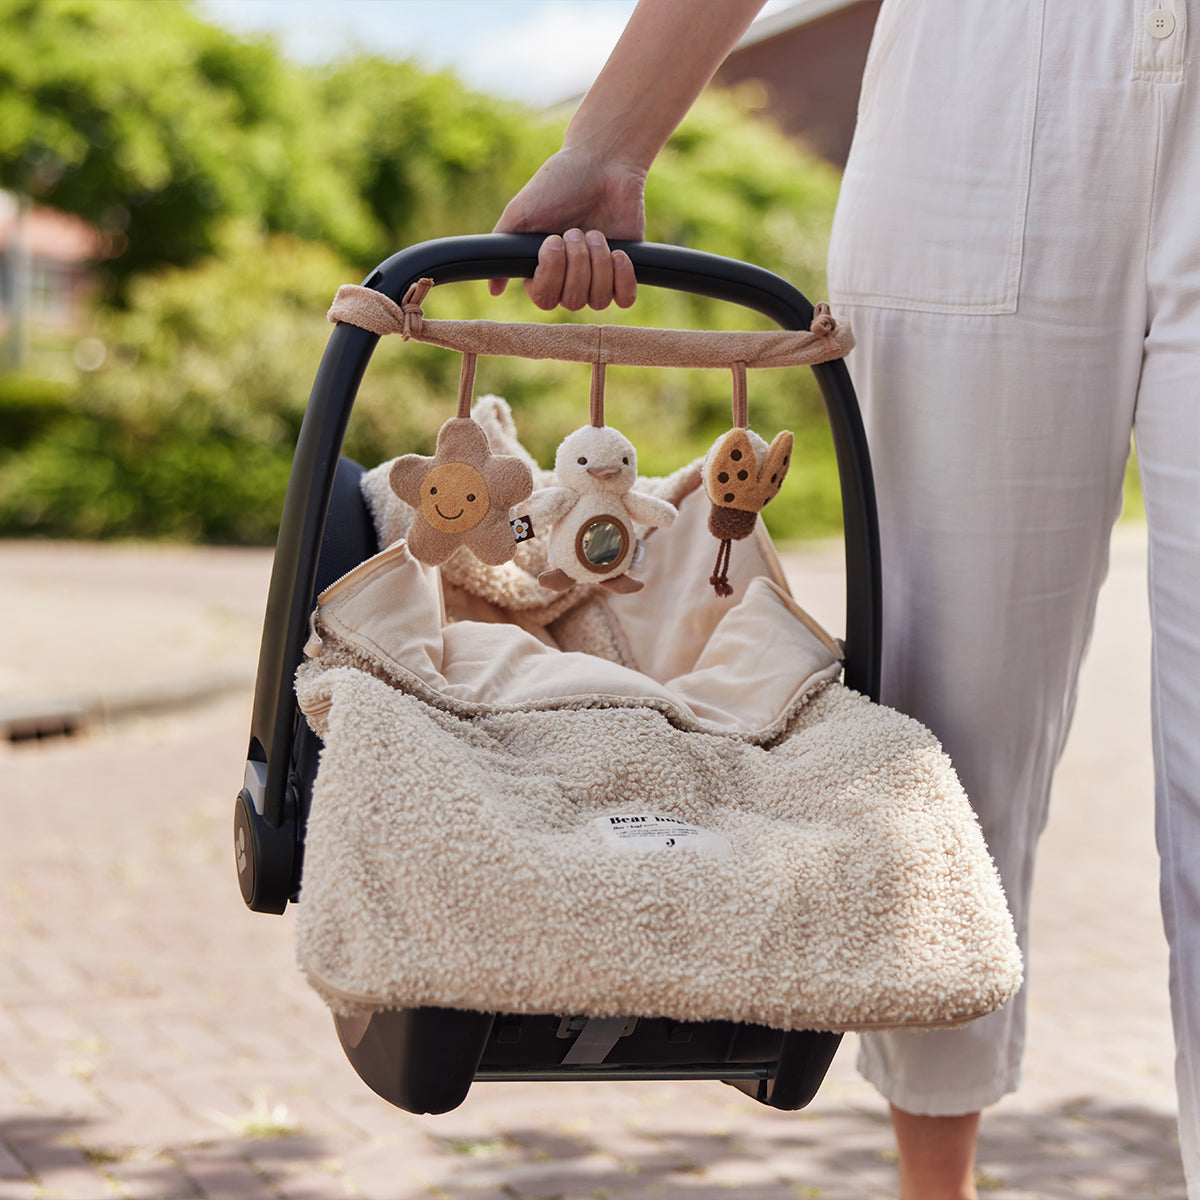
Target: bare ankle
{"x": 937, "y": 1155}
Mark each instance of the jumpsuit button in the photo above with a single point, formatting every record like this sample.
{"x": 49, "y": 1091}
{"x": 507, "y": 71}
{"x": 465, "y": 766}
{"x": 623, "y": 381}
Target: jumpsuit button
{"x": 1160, "y": 23}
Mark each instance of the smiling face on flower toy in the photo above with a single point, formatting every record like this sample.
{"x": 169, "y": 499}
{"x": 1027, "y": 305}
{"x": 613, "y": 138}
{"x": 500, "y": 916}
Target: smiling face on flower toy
{"x": 592, "y": 510}
{"x": 454, "y": 497}
{"x": 461, "y": 496}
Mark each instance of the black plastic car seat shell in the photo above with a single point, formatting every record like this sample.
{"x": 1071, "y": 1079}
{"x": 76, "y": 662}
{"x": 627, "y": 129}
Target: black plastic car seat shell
{"x": 425, "y": 1060}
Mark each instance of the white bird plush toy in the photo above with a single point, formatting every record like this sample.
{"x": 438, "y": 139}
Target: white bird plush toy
{"x": 592, "y": 509}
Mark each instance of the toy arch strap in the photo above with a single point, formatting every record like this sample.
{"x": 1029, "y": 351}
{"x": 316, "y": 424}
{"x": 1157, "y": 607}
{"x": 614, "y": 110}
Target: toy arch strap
{"x": 600, "y": 345}
{"x": 624, "y": 345}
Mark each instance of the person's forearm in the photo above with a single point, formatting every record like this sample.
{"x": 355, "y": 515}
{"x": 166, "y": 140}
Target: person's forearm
{"x": 669, "y": 51}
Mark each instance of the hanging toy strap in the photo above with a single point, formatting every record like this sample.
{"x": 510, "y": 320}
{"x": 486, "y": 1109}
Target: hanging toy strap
{"x": 741, "y": 400}
{"x": 596, "y": 403}
{"x": 466, "y": 384}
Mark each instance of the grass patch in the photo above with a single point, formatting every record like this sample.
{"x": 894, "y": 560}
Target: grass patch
{"x": 264, "y": 1121}
{"x": 476, "y": 1147}
{"x": 99, "y": 1157}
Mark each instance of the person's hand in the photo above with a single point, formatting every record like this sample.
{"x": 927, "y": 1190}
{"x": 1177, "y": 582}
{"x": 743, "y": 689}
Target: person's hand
{"x": 579, "y": 269}
{"x": 573, "y": 191}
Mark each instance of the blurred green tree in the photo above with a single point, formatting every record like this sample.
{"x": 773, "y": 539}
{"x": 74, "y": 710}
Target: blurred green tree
{"x": 185, "y": 431}
{"x": 159, "y": 128}
{"x": 427, "y": 156}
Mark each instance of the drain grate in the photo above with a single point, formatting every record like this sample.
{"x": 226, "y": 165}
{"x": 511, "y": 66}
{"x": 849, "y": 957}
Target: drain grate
{"x": 36, "y": 718}
{"x": 36, "y": 721}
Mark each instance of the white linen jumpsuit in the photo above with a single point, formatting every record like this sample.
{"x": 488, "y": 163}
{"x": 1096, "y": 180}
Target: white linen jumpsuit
{"x": 1017, "y": 247}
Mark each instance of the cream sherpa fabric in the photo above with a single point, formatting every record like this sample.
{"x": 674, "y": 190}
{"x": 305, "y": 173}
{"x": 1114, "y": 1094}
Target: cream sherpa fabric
{"x": 840, "y": 883}
{"x": 698, "y": 823}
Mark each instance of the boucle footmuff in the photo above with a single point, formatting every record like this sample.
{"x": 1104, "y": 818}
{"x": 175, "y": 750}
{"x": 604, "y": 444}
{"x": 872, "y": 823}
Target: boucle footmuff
{"x": 662, "y": 803}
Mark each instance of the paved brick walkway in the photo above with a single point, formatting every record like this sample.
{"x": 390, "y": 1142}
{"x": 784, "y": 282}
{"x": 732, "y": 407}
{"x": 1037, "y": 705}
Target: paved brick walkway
{"x": 157, "y": 1042}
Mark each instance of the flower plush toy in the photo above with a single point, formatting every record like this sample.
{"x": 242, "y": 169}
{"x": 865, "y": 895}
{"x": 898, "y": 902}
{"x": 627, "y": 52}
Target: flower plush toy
{"x": 462, "y": 496}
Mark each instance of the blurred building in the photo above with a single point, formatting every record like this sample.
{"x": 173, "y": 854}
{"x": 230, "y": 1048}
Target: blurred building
{"x": 44, "y": 265}
{"x": 808, "y": 60}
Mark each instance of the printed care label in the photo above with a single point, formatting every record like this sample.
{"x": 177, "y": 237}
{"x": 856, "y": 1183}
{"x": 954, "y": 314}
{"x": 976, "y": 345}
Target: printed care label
{"x": 641, "y": 832}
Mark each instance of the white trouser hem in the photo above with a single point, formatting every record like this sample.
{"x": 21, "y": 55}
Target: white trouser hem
{"x": 948, "y": 1103}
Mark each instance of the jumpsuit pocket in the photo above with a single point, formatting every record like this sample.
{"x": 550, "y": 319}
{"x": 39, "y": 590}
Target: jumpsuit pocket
{"x": 931, "y": 215}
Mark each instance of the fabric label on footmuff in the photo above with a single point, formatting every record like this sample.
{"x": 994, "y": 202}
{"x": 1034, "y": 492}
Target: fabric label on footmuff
{"x": 641, "y": 833}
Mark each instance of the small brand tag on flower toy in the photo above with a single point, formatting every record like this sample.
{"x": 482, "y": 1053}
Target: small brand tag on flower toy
{"x": 522, "y": 528}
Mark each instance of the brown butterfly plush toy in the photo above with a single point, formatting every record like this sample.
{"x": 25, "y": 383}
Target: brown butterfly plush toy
{"x": 741, "y": 475}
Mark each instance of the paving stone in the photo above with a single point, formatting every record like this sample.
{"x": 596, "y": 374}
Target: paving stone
{"x": 226, "y": 1179}
{"x": 582, "y": 1176}
{"x": 156, "y": 1178}
{"x": 313, "y": 1185}
{"x": 645, "y": 1152}
{"x": 10, "y": 1166}
{"x": 75, "y": 1183}
{"x": 382, "y": 1171}
{"x": 743, "y": 1172}
{"x": 20, "y": 1189}
{"x": 60, "y": 1092}
{"x": 145, "y": 1114}
{"x": 310, "y": 1112}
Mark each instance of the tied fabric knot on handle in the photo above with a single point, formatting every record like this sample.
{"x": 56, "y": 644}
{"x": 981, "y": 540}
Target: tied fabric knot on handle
{"x": 823, "y": 324}
{"x": 413, "y": 314}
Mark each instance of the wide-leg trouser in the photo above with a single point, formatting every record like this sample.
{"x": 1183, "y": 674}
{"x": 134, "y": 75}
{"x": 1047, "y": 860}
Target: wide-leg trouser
{"x": 1018, "y": 248}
